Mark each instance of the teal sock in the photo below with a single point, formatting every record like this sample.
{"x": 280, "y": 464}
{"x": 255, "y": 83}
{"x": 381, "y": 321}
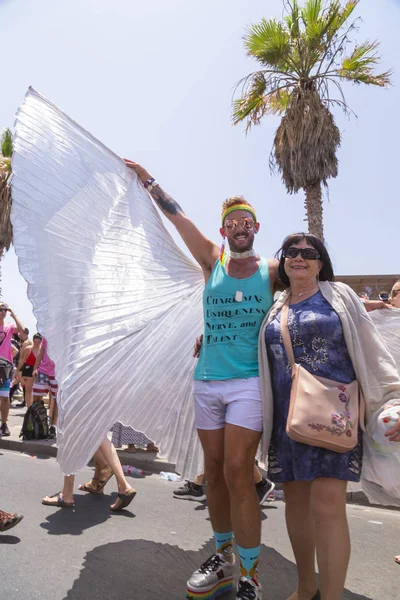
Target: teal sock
{"x": 249, "y": 562}
{"x": 223, "y": 541}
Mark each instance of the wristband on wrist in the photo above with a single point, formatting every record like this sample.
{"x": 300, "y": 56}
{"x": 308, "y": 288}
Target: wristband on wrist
{"x": 148, "y": 182}
{"x": 152, "y": 185}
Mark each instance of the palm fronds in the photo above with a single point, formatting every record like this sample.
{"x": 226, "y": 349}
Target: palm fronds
{"x": 6, "y": 231}
{"x": 304, "y": 60}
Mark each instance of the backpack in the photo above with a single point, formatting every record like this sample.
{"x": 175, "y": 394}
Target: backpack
{"x": 35, "y": 425}
{"x": 5, "y": 370}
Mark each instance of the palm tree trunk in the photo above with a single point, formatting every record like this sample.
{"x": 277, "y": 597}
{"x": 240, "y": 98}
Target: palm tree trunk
{"x": 313, "y": 205}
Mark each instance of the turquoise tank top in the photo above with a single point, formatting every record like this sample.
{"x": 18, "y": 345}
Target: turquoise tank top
{"x": 233, "y": 311}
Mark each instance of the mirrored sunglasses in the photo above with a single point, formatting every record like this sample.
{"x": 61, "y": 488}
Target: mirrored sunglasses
{"x": 306, "y": 253}
{"x": 245, "y": 223}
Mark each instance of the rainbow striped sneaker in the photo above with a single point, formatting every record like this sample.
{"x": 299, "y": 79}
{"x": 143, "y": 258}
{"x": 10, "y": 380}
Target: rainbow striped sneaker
{"x": 215, "y": 577}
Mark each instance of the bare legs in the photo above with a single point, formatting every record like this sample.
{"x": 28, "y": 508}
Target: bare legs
{"x": 28, "y": 383}
{"x": 229, "y": 468}
{"x": 240, "y": 450}
{"x": 5, "y": 408}
{"x": 200, "y": 479}
{"x": 217, "y": 490}
{"x": 105, "y": 456}
{"x": 301, "y": 529}
{"x": 111, "y": 457}
{"x": 67, "y": 493}
{"x": 328, "y": 504}
{"x": 316, "y": 522}
{"x": 53, "y": 410}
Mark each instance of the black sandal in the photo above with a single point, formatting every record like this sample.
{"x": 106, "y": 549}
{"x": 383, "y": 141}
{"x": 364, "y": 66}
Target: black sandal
{"x": 124, "y": 500}
{"x": 58, "y": 501}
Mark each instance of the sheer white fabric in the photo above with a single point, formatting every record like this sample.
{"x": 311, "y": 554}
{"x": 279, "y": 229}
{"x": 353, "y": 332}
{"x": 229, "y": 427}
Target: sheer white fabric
{"x": 387, "y": 321}
{"x": 117, "y": 300}
{"x": 381, "y": 471}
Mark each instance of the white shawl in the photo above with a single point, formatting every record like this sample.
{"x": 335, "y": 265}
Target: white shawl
{"x": 374, "y": 366}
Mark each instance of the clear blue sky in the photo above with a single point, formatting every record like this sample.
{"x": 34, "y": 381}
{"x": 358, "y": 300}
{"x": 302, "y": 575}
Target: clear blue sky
{"x": 153, "y": 81}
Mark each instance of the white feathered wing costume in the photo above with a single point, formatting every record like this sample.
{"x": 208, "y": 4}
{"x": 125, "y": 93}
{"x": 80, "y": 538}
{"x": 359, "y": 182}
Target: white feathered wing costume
{"x": 117, "y": 300}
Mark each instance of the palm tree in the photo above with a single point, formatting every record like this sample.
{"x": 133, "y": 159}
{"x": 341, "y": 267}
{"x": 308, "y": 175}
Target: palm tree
{"x": 6, "y": 232}
{"x": 304, "y": 58}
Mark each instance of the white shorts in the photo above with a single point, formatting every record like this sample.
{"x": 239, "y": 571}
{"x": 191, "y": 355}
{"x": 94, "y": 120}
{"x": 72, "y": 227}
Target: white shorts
{"x": 234, "y": 401}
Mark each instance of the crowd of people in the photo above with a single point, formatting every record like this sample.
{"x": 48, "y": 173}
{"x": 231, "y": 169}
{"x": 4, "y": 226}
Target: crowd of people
{"x": 244, "y": 398}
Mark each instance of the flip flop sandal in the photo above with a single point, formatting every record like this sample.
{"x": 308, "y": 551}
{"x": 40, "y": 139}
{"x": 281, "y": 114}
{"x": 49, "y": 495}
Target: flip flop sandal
{"x": 124, "y": 500}
{"x": 87, "y": 487}
{"x": 397, "y": 559}
{"x": 12, "y": 521}
{"x": 59, "y": 501}
{"x": 103, "y": 482}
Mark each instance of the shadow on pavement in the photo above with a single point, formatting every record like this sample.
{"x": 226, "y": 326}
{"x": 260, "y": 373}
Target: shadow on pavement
{"x": 9, "y": 539}
{"x": 140, "y": 569}
{"x": 89, "y": 512}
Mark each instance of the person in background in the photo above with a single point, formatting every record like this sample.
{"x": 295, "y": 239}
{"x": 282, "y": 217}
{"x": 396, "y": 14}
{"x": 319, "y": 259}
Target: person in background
{"x": 194, "y": 490}
{"x": 45, "y": 382}
{"x": 7, "y": 330}
{"x": 125, "y": 435}
{"x": 15, "y": 350}
{"x": 394, "y": 301}
{"x": 22, "y": 345}
{"x": 394, "y": 297}
{"x": 107, "y": 464}
{"x": 9, "y": 520}
{"x": 26, "y": 365}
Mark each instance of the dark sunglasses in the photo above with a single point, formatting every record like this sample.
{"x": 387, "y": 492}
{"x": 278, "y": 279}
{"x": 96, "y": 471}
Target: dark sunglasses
{"x": 306, "y": 253}
{"x": 3, "y": 309}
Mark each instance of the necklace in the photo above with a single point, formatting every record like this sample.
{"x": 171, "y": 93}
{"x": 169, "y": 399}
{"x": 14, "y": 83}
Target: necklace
{"x": 305, "y": 292}
{"x": 242, "y": 254}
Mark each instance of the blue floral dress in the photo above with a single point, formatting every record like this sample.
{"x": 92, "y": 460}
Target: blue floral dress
{"x": 319, "y": 346}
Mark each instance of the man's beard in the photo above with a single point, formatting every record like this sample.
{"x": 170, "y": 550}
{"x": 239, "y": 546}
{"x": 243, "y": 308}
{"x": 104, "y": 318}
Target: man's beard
{"x": 242, "y": 247}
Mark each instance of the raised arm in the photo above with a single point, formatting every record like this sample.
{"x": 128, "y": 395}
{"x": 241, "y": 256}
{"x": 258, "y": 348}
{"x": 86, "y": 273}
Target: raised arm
{"x": 20, "y": 328}
{"x": 204, "y": 251}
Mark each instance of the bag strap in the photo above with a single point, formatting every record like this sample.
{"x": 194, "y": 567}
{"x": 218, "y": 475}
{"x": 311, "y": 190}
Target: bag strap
{"x": 287, "y": 342}
{"x": 362, "y": 408}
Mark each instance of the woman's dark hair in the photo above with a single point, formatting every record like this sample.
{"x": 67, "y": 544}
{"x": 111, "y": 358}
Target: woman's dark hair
{"x": 325, "y": 274}
{"x": 37, "y": 336}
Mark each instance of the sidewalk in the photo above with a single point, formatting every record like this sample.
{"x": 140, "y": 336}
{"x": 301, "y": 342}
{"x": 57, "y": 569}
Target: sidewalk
{"x": 150, "y": 462}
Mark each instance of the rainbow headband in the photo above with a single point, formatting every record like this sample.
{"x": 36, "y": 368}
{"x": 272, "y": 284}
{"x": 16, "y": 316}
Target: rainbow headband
{"x": 246, "y": 207}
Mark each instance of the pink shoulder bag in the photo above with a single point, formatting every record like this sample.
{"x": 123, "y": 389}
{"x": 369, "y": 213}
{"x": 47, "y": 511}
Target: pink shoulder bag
{"x": 322, "y": 412}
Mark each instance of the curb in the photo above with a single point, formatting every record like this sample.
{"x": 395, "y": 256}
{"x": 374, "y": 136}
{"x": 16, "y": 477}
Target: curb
{"x": 150, "y": 463}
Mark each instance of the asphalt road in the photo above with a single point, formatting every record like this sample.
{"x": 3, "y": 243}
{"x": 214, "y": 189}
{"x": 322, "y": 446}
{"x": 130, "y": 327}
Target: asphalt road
{"x": 147, "y": 552}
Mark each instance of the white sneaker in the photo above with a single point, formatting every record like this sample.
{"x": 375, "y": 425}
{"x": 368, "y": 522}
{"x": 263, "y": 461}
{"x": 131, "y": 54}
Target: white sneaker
{"x": 248, "y": 589}
{"x": 213, "y": 578}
